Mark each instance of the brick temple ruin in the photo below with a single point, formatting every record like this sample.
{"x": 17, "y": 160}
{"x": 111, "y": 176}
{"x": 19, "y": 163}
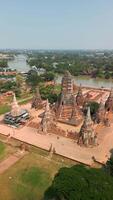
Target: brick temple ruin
{"x": 66, "y": 108}
{"x": 69, "y": 110}
{"x": 87, "y": 134}
{"x": 17, "y": 116}
{"x": 37, "y": 102}
{"x": 70, "y": 116}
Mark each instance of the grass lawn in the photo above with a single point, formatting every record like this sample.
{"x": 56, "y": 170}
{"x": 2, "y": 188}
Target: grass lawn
{"x": 5, "y": 151}
{"x": 25, "y": 101}
{"x": 28, "y": 178}
{"x": 2, "y": 149}
{"x": 4, "y": 108}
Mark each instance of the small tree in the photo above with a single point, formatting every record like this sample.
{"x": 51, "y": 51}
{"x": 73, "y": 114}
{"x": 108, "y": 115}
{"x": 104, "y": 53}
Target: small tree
{"x": 109, "y": 166}
{"x": 33, "y": 79}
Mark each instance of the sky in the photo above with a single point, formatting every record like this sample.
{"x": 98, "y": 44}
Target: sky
{"x": 56, "y": 24}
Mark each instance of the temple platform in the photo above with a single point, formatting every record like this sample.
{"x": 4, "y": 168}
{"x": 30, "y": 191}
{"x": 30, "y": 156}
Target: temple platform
{"x": 64, "y": 146}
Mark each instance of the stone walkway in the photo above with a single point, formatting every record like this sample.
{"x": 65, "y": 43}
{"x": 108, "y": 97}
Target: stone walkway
{"x": 63, "y": 146}
{"x": 11, "y": 160}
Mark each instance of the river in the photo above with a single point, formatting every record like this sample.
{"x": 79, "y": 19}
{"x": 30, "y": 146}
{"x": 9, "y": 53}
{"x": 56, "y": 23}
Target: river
{"x": 20, "y": 64}
{"x": 90, "y": 82}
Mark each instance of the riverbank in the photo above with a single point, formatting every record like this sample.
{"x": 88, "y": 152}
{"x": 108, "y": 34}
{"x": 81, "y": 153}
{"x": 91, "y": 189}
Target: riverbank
{"x": 87, "y": 81}
{"x": 19, "y": 63}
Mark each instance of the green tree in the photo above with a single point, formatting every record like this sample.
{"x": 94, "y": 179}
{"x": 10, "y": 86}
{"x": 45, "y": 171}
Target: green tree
{"x": 94, "y": 107}
{"x": 19, "y": 80}
{"x": 49, "y": 76}
{"x": 80, "y": 183}
{"x": 3, "y": 63}
{"x": 107, "y": 75}
{"x": 47, "y": 92}
{"x": 33, "y": 79}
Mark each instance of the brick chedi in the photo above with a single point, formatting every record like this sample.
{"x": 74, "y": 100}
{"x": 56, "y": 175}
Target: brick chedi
{"x": 109, "y": 102}
{"x": 17, "y": 116}
{"x": 100, "y": 115}
{"x": 79, "y": 97}
{"x": 76, "y": 115}
{"x": 65, "y": 106}
{"x": 15, "y": 110}
{"x": 87, "y": 136}
{"x": 48, "y": 120}
{"x": 67, "y": 84}
{"x": 37, "y": 101}
{"x": 48, "y": 123}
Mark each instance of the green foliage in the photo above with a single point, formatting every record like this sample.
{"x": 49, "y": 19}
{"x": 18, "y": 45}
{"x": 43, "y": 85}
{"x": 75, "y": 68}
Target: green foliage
{"x": 80, "y": 183}
{"x": 3, "y": 63}
{"x": 107, "y": 75}
{"x": 33, "y": 79}
{"x": 77, "y": 62}
{"x": 4, "y": 109}
{"x": 48, "y": 92}
{"x": 2, "y": 148}
{"x": 93, "y": 107}
{"x": 49, "y": 76}
{"x": 19, "y": 80}
{"x": 109, "y": 166}
{"x": 9, "y": 86}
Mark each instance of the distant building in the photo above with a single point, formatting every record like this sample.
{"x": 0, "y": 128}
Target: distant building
{"x": 38, "y": 70}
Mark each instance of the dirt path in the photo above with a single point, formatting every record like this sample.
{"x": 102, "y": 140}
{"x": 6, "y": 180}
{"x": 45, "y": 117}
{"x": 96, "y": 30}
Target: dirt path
{"x": 11, "y": 160}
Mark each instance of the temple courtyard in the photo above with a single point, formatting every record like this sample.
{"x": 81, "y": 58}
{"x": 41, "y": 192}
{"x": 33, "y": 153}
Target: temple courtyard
{"x": 67, "y": 127}
{"x": 65, "y": 147}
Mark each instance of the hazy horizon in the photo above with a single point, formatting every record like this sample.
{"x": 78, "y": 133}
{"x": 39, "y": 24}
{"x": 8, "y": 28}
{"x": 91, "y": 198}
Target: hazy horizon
{"x": 56, "y": 25}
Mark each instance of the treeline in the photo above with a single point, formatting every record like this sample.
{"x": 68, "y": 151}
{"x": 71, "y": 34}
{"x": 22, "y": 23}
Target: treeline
{"x": 3, "y": 63}
{"x": 77, "y": 64}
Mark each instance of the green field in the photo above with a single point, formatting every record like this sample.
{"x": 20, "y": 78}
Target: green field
{"x": 4, "y": 108}
{"x": 28, "y": 178}
{"x": 6, "y": 150}
{"x": 2, "y": 150}
{"x": 25, "y": 101}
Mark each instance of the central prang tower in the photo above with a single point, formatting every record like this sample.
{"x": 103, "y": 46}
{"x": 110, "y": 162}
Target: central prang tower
{"x": 67, "y": 84}
{"x": 66, "y": 108}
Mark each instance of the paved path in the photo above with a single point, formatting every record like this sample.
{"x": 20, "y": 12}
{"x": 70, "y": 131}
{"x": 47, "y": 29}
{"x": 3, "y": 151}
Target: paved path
{"x": 11, "y": 160}
{"x": 64, "y": 146}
